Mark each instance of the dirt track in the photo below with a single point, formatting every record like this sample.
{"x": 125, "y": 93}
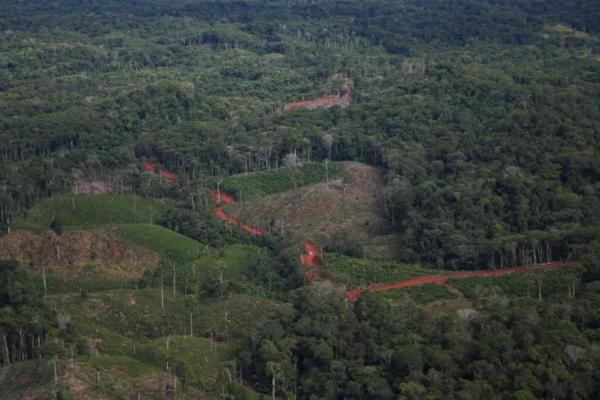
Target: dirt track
{"x": 167, "y": 175}
{"x": 312, "y": 256}
{"x": 354, "y": 294}
{"x": 223, "y": 215}
{"x": 312, "y": 260}
{"x": 344, "y": 100}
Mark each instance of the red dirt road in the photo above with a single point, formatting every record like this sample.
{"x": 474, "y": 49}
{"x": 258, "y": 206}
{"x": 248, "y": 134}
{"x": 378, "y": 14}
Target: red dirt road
{"x": 311, "y": 259}
{"x": 344, "y": 100}
{"x": 223, "y": 215}
{"x": 312, "y": 256}
{"x": 354, "y": 294}
{"x": 167, "y": 175}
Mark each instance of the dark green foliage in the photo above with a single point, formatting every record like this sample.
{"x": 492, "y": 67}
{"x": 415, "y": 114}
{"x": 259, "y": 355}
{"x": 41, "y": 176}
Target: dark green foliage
{"x": 388, "y": 350}
{"x": 23, "y": 316}
{"x": 56, "y": 226}
{"x": 483, "y": 115}
{"x": 424, "y": 294}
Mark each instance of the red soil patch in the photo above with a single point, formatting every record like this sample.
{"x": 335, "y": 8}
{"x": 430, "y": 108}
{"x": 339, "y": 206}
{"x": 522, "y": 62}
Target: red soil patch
{"x": 312, "y": 256}
{"x": 253, "y": 230}
{"x": 117, "y": 251}
{"x": 224, "y": 198}
{"x": 312, "y": 260}
{"x": 354, "y": 294}
{"x": 344, "y": 100}
{"x": 167, "y": 175}
{"x": 223, "y": 215}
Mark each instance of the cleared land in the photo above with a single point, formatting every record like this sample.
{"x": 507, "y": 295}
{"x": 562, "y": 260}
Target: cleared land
{"x": 350, "y": 205}
{"x": 95, "y": 252}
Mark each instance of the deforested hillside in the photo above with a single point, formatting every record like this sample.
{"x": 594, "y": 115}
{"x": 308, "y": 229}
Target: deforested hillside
{"x": 285, "y": 199}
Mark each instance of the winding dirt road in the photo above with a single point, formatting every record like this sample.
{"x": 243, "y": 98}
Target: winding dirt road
{"x": 312, "y": 259}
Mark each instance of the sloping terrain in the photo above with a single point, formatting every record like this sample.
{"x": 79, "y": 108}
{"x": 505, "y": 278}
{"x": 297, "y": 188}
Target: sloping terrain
{"x": 351, "y": 205}
{"x": 95, "y": 252}
{"x": 91, "y": 210}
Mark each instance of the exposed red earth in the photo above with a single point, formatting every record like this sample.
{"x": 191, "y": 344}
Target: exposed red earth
{"x": 223, "y": 215}
{"x": 354, "y": 294}
{"x": 312, "y": 256}
{"x": 167, "y": 175}
{"x": 311, "y": 259}
{"x": 343, "y": 100}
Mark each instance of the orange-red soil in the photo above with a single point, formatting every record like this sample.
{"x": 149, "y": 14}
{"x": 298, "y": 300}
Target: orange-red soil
{"x": 344, "y": 100}
{"x": 167, "y": 175}
{"x": 354, "y": 294}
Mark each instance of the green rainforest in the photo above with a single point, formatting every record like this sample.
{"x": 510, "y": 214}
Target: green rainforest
{"x": 300, "y": 199}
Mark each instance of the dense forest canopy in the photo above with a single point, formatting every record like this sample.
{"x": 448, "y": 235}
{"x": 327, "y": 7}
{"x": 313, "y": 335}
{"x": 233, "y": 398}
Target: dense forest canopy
{"x": 483, "y": 115}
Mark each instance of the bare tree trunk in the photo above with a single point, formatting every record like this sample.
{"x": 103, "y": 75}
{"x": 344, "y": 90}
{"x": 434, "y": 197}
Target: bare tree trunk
{"x": 162, "y": 294}
{"x": 174, "y": 286}
{"x": 5, "y": 353}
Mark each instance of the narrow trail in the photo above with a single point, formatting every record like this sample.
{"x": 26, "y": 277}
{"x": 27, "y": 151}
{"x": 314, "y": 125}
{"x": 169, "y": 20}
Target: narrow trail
{"x": 219, "y": 212}
{"x": 312, "y": 260}
{"x": 354, "y": 294}
{"x": 312, "y": 253}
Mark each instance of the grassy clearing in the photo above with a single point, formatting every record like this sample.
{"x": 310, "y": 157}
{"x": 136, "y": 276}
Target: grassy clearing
{"x": 554, "y": 284}
{"x": 423, "y": 294}
{"x": 85, "y": 211}
{"x": 232, "y": 263}
{"x": 138, "y": 315}
{"x": 129, "y": 365}
{"x": 162, "y": 240}
{"x": 195, "y": 360}
{"x": 251, "y": 186}
{"x": 356, "y": 272}
{"x": 57, "y": 284}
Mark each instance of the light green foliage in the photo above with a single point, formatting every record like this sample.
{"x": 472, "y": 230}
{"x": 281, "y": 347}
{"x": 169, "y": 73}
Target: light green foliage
{"x": 257, "y": 184}
{"x": 162, "y": 240}
{"x": 355, "y": 272}
{"x": 138, "y": 314}
{"x": 193, "y": 359}
{"x": 554, "y": 284}
{"x": 84, "y": 211}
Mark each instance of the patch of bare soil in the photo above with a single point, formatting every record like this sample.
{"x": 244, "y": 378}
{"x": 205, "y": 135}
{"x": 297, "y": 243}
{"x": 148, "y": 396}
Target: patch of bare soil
{"x": 96, "y": 252}
{"x": 343, "y": 100}
{"x": 353, "y": 206}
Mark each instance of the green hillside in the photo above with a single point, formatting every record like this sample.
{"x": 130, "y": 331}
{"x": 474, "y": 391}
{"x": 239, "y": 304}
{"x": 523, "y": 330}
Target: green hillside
{"x": 258, "y": 184}
{"x": 86, "y": 211}
{"x": 162, "y": 240}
